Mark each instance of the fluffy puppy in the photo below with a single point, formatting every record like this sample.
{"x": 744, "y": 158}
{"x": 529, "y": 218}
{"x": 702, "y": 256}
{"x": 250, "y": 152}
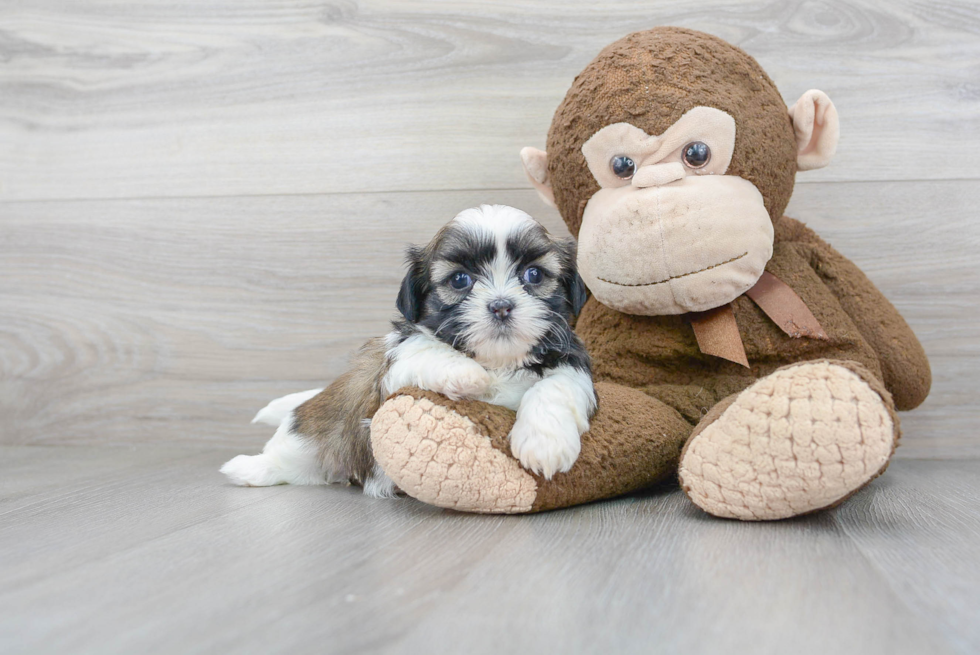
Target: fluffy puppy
{"x": 485, "y": 311}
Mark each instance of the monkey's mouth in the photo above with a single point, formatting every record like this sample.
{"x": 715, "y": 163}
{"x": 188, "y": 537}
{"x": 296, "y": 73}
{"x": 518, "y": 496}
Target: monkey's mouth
{"x": 674, "y": 277}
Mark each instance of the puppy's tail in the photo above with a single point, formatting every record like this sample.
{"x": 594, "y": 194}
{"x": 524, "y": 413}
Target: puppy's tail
{"x": 276, "y": 412}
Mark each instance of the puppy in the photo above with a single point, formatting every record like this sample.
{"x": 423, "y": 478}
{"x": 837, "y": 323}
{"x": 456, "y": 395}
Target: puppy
{"x": 485, "y": 311}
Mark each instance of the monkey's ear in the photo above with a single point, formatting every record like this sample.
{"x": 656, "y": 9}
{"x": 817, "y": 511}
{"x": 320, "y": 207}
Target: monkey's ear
{"x": 817, "y": 130}
{"x": 415, "y": 286}
{"x": 536, "y": 169}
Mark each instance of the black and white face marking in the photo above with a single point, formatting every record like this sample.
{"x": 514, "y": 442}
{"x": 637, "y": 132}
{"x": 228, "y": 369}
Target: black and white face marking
{"x": 493, "y": 283}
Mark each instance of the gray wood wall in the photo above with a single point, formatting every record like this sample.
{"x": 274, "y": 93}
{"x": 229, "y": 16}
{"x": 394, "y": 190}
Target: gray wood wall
{"x": 203, "y": 205}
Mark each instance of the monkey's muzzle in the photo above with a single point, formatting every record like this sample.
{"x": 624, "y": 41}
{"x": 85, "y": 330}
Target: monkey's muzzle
{"x": 688, "y": 246}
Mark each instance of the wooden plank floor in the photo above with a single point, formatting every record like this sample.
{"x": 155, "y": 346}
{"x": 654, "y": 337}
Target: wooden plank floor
{"x": 148, "y": 550}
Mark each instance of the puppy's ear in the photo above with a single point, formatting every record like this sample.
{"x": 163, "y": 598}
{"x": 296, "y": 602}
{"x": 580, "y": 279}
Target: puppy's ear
{"x": 577, "y": 293}
{"x": 573, "y": 283}
{"x": 415, "y": 286}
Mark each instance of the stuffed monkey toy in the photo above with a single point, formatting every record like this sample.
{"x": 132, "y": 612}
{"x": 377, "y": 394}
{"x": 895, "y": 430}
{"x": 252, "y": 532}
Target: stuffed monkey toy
{"x": 732, "y": 347}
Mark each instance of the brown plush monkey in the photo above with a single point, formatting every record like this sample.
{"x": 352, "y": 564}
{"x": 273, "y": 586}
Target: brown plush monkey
{"x": 731, "y": 345}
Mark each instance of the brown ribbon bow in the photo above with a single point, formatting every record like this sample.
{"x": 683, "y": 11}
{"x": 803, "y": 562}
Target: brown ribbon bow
{"x": 717, "y": 332}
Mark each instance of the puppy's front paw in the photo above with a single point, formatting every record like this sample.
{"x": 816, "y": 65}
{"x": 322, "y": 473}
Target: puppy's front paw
{"x": 545, "y": 447}
{"x": 465, "y": 379}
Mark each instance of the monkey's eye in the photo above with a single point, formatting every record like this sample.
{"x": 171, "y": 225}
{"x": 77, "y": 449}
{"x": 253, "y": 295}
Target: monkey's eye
{"x": 460, "y": 281}
{"x": 697, "y": 154}
{"x": 623, "y": 167}
{"x": 532, "y": 276}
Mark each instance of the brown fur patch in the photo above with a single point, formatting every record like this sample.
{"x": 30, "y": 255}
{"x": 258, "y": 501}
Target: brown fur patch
{"x": 902, "y": 362}
{"x": 333, "y": 419}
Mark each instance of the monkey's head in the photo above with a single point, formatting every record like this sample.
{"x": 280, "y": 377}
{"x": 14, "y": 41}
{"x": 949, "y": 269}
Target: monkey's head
{"x": 669, "y": 159}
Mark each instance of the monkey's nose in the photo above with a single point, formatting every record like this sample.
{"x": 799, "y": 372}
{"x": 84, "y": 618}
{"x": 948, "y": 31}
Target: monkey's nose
{"x": 658, "y": 174}
{"x": 501, "y": 308}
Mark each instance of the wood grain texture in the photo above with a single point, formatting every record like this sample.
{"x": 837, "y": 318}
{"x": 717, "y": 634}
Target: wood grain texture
{"x": 239, "y": 97}
{"x": 169, "y": 558}
{"x": 922, "y": 530}
{"x": 174, "y": 320}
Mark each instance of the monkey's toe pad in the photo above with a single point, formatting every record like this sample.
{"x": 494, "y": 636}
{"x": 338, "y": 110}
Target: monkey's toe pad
{"x": 440, "y": 457}
{"x": 801, "y": 439}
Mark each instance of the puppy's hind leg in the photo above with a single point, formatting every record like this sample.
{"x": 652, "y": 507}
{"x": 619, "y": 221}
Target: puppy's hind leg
{"x": 288, "y": 458}
{"x": 322, "y": 437}
{"x": 379, "y": 485}
{"x": 376, "y": 484}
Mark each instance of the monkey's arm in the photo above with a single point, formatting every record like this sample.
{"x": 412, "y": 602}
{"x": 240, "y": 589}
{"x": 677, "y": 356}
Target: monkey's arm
{"x": 456, "y": 453}
{"x": 903, "y": 362}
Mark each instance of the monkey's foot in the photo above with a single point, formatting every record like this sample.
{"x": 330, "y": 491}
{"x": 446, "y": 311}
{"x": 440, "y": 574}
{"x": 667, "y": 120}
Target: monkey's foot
{"x": 455, "y": 454}
{"x": 802, "y": 439}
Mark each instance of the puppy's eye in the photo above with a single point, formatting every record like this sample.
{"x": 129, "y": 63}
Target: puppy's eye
{"x": 532, "y": 276}
{"x": 623, "y": 167}
{"x": 460, "y": 281}
{"x": 697, "y": 154}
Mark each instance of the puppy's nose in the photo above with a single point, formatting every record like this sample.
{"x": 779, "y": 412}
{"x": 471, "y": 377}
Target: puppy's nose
{"x": 658, "y": 174}
{"x": 501, "y": 308}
